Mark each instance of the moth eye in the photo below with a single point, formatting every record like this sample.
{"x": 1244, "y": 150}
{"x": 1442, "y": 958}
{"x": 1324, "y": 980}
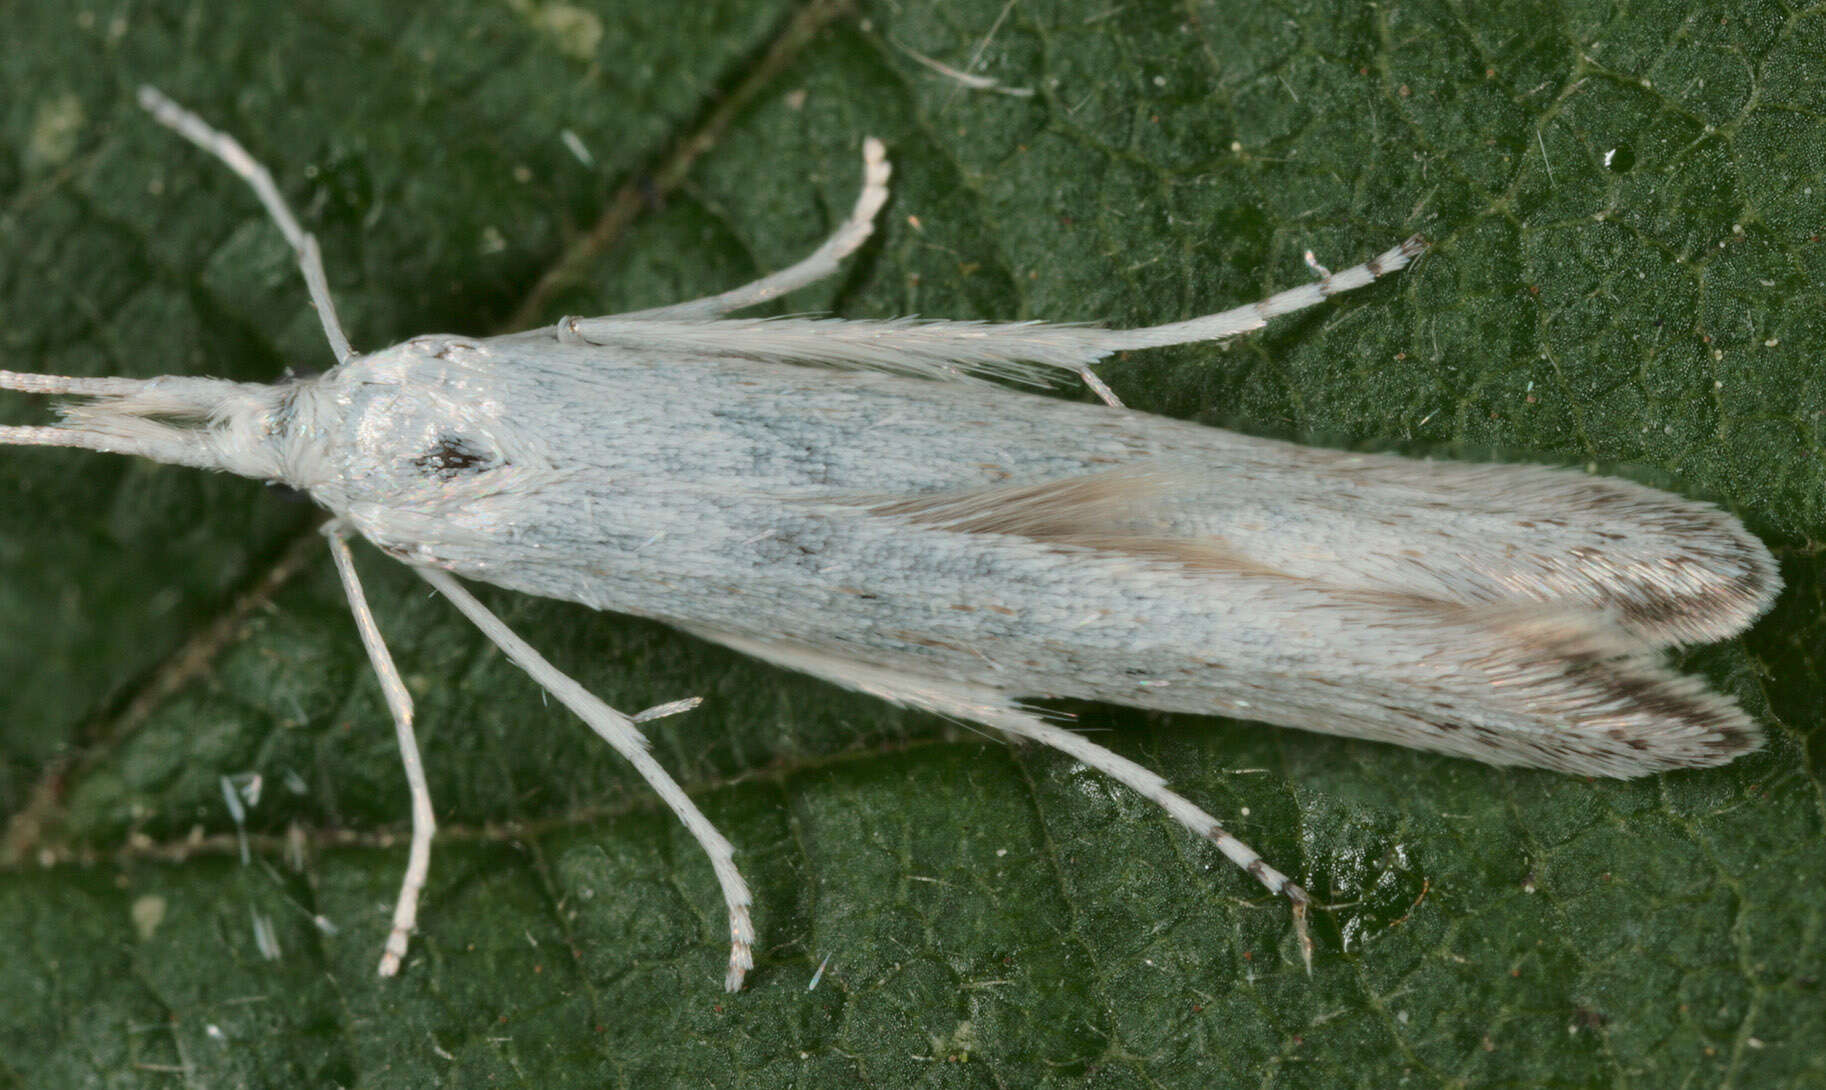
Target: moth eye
{"x": 454, "y": 456}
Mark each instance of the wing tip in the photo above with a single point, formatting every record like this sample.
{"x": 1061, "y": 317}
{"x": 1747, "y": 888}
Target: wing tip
{"x": 1709, "y": 579}
{"x": 1611, "y": 705}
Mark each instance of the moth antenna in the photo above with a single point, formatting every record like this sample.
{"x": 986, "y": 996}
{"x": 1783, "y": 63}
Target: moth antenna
{"x": 226, "y": 148}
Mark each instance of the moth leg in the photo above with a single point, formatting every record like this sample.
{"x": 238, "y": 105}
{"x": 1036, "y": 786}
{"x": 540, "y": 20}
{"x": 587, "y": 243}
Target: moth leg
{"x": 821, "y": 263}
{"x": 1098, "y": 387}
{"x": 399, "y": 702}
{"x": 619, "y": 731}
{"x": 235, "y": 157}
{"x": 1152, "y": 786}
{"x": 994, "y": 710}
{"x": 1031, "y": 352}
{"x": 1243, "y": 319}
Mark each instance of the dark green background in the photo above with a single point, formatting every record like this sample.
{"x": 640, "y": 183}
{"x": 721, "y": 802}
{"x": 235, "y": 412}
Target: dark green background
{"x": 991, "y": 917}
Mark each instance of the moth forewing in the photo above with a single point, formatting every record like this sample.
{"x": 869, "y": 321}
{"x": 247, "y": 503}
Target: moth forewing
{"x": 853, "y": 500}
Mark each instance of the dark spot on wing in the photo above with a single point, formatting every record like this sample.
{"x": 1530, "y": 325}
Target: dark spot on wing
{"x": 454, "y": 456}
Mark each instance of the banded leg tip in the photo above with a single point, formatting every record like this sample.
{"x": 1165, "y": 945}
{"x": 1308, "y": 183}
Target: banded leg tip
{"x": 741, "y": 959}
{"x": 1301, "y": 933}
{"x": 394, "y": 953}
{"x": 875, "y": 174}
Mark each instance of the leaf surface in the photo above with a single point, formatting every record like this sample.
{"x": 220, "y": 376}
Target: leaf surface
{"x": 1625, "y": 206}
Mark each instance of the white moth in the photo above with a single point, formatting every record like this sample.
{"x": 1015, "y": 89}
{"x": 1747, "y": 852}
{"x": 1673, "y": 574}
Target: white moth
{"x": 850, "y": 499}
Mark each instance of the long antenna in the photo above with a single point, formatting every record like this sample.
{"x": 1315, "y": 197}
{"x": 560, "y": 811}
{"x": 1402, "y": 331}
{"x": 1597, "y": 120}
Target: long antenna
{"x": 235, "y": 157}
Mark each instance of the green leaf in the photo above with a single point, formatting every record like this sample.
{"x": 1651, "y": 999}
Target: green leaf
{"x": 1626, "y": 211}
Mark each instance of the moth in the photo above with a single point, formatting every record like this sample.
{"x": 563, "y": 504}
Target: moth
{"x": 858, "y": 500}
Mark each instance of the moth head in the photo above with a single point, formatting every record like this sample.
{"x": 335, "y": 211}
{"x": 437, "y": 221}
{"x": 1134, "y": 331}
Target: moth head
{"x": 419, "y": 423}
{"x": 413, "y": 423}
